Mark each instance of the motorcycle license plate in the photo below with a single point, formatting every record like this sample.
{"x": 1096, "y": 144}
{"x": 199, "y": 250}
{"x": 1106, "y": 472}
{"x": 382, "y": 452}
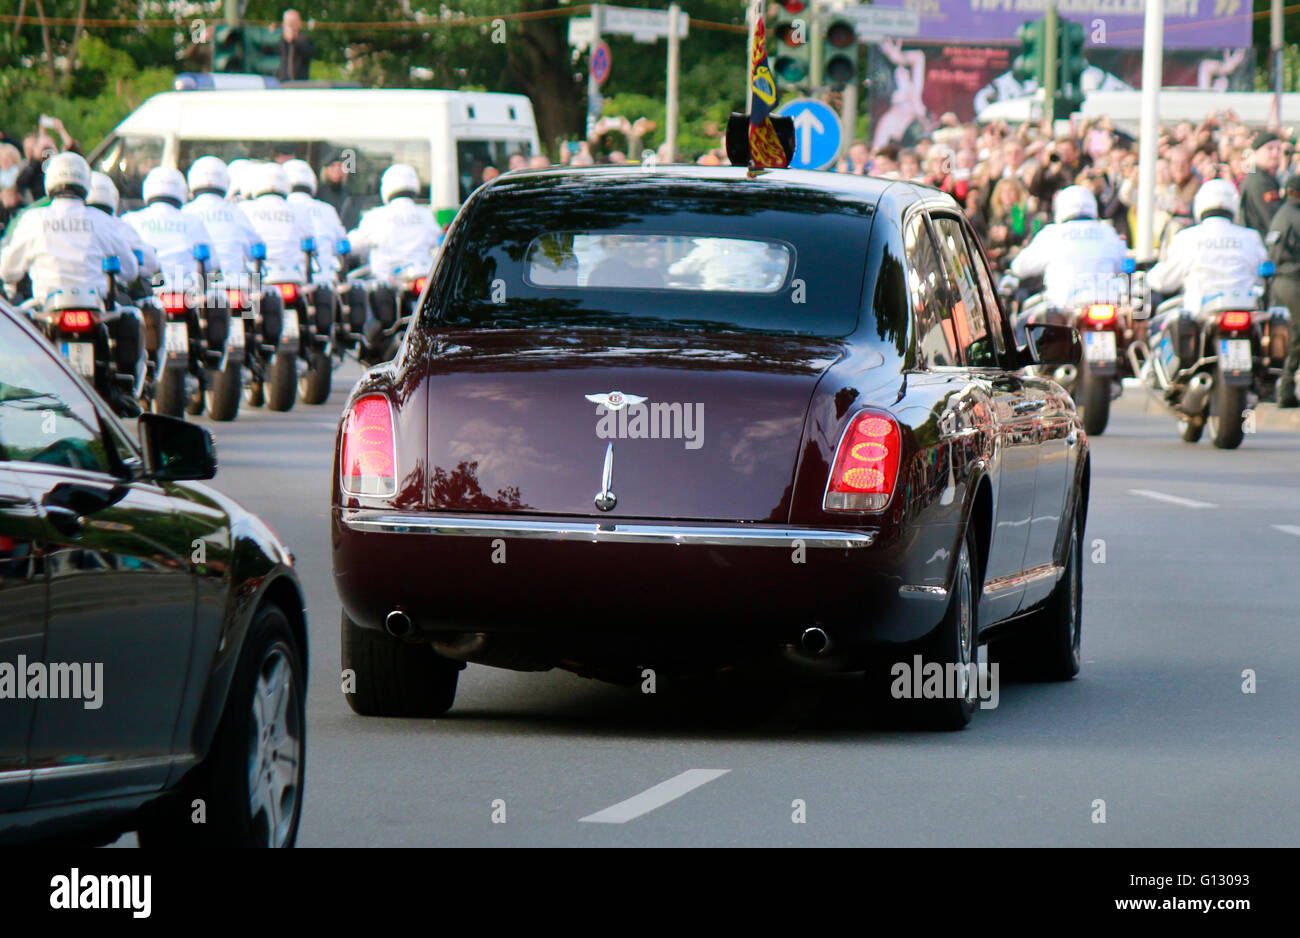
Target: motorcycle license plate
{"x": 176, "y": 338}
{"x": 1234, "y": 354}
{"x": 1099, "y": 346}
{"x": 236, "y": 338}
{"x": 81, "y": 356}
{"x": 289, "y": 330}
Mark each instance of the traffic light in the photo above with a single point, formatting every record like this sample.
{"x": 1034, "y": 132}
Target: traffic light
{"x": 1030, "y": 63}
{"x": 841, "y": 53}
{"x": 791, "y": 63}
{"x": 228, "y": 49}
{"x": 1070, "y": 65}
{"x": 263, "y": 50}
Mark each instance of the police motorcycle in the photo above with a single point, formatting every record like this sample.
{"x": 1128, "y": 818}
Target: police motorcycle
{"x": 353, "y": 304}
{"x": 321, "y": 306}
{"x": 1104, "y": 314}
{"x": 391, "y": 309}
{"x": 274, "y": 333}
{"x": 1210, "y": 367}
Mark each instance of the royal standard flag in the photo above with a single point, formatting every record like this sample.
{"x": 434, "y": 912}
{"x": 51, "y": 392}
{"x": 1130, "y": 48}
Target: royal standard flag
{"x": 765, "y": 148}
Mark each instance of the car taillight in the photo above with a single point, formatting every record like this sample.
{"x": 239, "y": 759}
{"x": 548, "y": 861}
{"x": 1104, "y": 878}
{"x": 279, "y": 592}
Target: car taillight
{"x": 419, "y": 284}
{"x": 1099, "y": 314}
{"x": 866, "y": 465}
{"x": 235, "y": 298}
{"x": 76, "y": 320}
{"x": 174, "y": 303}
{"x": 369, "y": 457}
{"x": 288, "y": 292}
{"x": 1234, "y": 321}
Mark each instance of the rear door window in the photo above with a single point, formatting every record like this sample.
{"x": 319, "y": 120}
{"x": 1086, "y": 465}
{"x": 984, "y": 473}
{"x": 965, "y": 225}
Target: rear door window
{"x": 972, "y": 330}
{"x": 927, "y": 287}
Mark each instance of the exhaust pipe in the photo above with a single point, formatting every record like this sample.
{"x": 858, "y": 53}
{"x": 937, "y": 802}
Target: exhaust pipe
{"x": 1066, "y": 375}
{"x": 1197, "y": 393}
{"x": 815, "y": 641}
{"x": 397, "y": 624}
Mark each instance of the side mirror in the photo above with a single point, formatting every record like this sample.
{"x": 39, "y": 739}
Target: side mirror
{"x": 110, "y": 264}
{"x": 1130, "y": 265}
{"x": 309, "y": 244}
{"x": 202, "y": 252}
{"x": 258, "y": 251}
{"x": 342, "y": 246}
{"x": 1267, "y": 269}
{"x": 175, "y": 450}
{"x": 1052, "y": 345}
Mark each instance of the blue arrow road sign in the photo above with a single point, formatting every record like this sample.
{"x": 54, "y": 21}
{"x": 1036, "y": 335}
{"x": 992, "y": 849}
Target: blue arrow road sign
{"x": 817, "y": 133}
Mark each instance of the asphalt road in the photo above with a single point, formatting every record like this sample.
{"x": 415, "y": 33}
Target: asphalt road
{"x": 1199, "y": 584}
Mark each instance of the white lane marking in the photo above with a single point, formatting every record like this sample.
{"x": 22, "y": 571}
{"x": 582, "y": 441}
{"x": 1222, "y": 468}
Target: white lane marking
{"x": 655, "y": 797}
{"x": 1289, "y": 528}
{"x": 1172, "y": 499}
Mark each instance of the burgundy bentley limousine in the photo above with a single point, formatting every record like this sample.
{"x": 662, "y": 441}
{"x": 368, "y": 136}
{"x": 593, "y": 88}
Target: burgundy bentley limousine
{"x": 684, "y": 418}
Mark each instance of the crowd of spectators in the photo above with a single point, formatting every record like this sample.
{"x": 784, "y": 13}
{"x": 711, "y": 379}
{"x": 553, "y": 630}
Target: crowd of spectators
{"x": 22, "y": 164}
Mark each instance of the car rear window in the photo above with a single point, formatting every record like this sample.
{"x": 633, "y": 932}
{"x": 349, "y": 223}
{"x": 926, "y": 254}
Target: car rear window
{"x": 716, "y": 255}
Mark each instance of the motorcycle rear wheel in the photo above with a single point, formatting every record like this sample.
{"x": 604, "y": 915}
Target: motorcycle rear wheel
{"x": 1092, "y": 395}
{"x": 169, "y": 397}
{"x": 314, "y": 384}
{"x": 223, "y": 391}
{"x": 282, "y": 385}
{"x": 1226, "y": 419}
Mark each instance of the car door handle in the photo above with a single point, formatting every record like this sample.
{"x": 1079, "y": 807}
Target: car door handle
{"x": 1028, "y": 407}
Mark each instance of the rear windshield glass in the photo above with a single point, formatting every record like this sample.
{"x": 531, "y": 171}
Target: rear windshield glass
{"x": 719, "y": 255}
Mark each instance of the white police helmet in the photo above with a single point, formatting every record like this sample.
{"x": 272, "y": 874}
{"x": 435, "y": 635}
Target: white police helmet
{"x": 1073, "y": 202}
{"x": 237, "y": 172}
{"x": 67, "y": 173}
{"x": 102, "y": 193}
{"x": 301, "y": 175}
{"x": 208, "y": 172}
{"x": 398, "y": 178}
{"x": 1216, "y": 195}
{"x": 266, "y": 178}
{"x": 164, "y": 182}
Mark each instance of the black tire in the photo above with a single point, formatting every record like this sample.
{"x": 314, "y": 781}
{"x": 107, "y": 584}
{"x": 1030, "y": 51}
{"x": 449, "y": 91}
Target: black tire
{"x": 955, "y": 641}
{"x": 314, "y": 383}
{"x": 270, "y": 669}
{"x": 282, "y": 381}
{"x": 1226, "y": 420}
{"x": 1048, "y": 646}
{"x": 169, "y": 395}
{"x": 393, "y": 678}
{"x": 196, "y": 401}
{"x": 1092, "y": 396}
{"x": 1190, "y": 430}
{"x": 223, "y": 392}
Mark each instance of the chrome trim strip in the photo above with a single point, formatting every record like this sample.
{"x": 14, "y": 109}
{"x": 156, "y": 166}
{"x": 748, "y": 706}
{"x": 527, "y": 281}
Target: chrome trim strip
{"x": 109, "y": 765}
{"x": 15, "y": 775}
{"x": 1005, "y": 584}
{"x": 923, "y": 592}
{"x": 735, "y": 536}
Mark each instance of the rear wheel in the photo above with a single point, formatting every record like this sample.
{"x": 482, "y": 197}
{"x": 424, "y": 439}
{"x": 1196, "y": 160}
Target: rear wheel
{"x": 1048, "y": 648}
{"x": 282, "y": 383}
{"x": 1092, "y": 394}
{"x": 314, "y": 385}
{"x": 223, "y": 391}
{"x": 250, "y": 785}
{"x": 393, "y": 678}
{"x": 169, "y": 397}
{"x": 1226, "y": 420}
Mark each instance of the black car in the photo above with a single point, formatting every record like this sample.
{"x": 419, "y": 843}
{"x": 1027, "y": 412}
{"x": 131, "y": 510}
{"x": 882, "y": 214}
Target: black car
{"x": 807, "y": 426}
{"x": 152, "y": 632}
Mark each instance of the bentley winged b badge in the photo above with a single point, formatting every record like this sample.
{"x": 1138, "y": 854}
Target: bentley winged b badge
{"x": 615, "y": 400}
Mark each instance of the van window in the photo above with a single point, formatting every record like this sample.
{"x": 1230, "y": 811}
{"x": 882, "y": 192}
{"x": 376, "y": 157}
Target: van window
{"x": 473, "y": 156}
{"x": 348, "y": 173}
{"x": 126, "y": 160}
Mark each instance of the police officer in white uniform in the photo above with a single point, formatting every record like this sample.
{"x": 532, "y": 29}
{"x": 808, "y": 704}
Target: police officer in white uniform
{"x": 1214, "y": 255}
{"x": 232, "y": 235}
{"x": 325, "y": 220}
{"x": 281, "y": 226}
{"x": 103, "y": 195}
{"x": 173, "y": 234}
{"x": 1078, "y": 256}
{"x": 398, "y": 236}
{"x": 62, "y": 245}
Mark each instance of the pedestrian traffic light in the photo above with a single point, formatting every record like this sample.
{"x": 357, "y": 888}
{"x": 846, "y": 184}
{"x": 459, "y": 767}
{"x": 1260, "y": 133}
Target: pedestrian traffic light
{"x": 263, "y": 50}
{"x": 841, "y": 53}
{"x": 1070, "y": 65}
{"x": 791, "y": 62}
{"x": 1030, "y": 64}
{"x": 228, "y": 49}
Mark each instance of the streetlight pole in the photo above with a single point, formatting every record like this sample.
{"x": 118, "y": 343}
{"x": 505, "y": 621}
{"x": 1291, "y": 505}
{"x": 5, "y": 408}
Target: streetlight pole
{"x": 674, "y": 67}
{"x": 1152, "y": 75}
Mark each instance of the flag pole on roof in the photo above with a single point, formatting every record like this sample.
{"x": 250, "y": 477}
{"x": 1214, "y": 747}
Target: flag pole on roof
{"x": 757, "y": 139}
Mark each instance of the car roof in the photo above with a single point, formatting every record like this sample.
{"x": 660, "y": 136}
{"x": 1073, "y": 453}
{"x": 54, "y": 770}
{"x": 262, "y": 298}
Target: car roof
{"x": 884, "y": 194}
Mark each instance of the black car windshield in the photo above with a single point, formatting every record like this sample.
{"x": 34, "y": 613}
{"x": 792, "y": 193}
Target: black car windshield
{"x": 718, "y": 255}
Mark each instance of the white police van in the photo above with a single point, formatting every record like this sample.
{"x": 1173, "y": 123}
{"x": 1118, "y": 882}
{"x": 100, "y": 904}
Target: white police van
{"x": 348, "y": 135}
